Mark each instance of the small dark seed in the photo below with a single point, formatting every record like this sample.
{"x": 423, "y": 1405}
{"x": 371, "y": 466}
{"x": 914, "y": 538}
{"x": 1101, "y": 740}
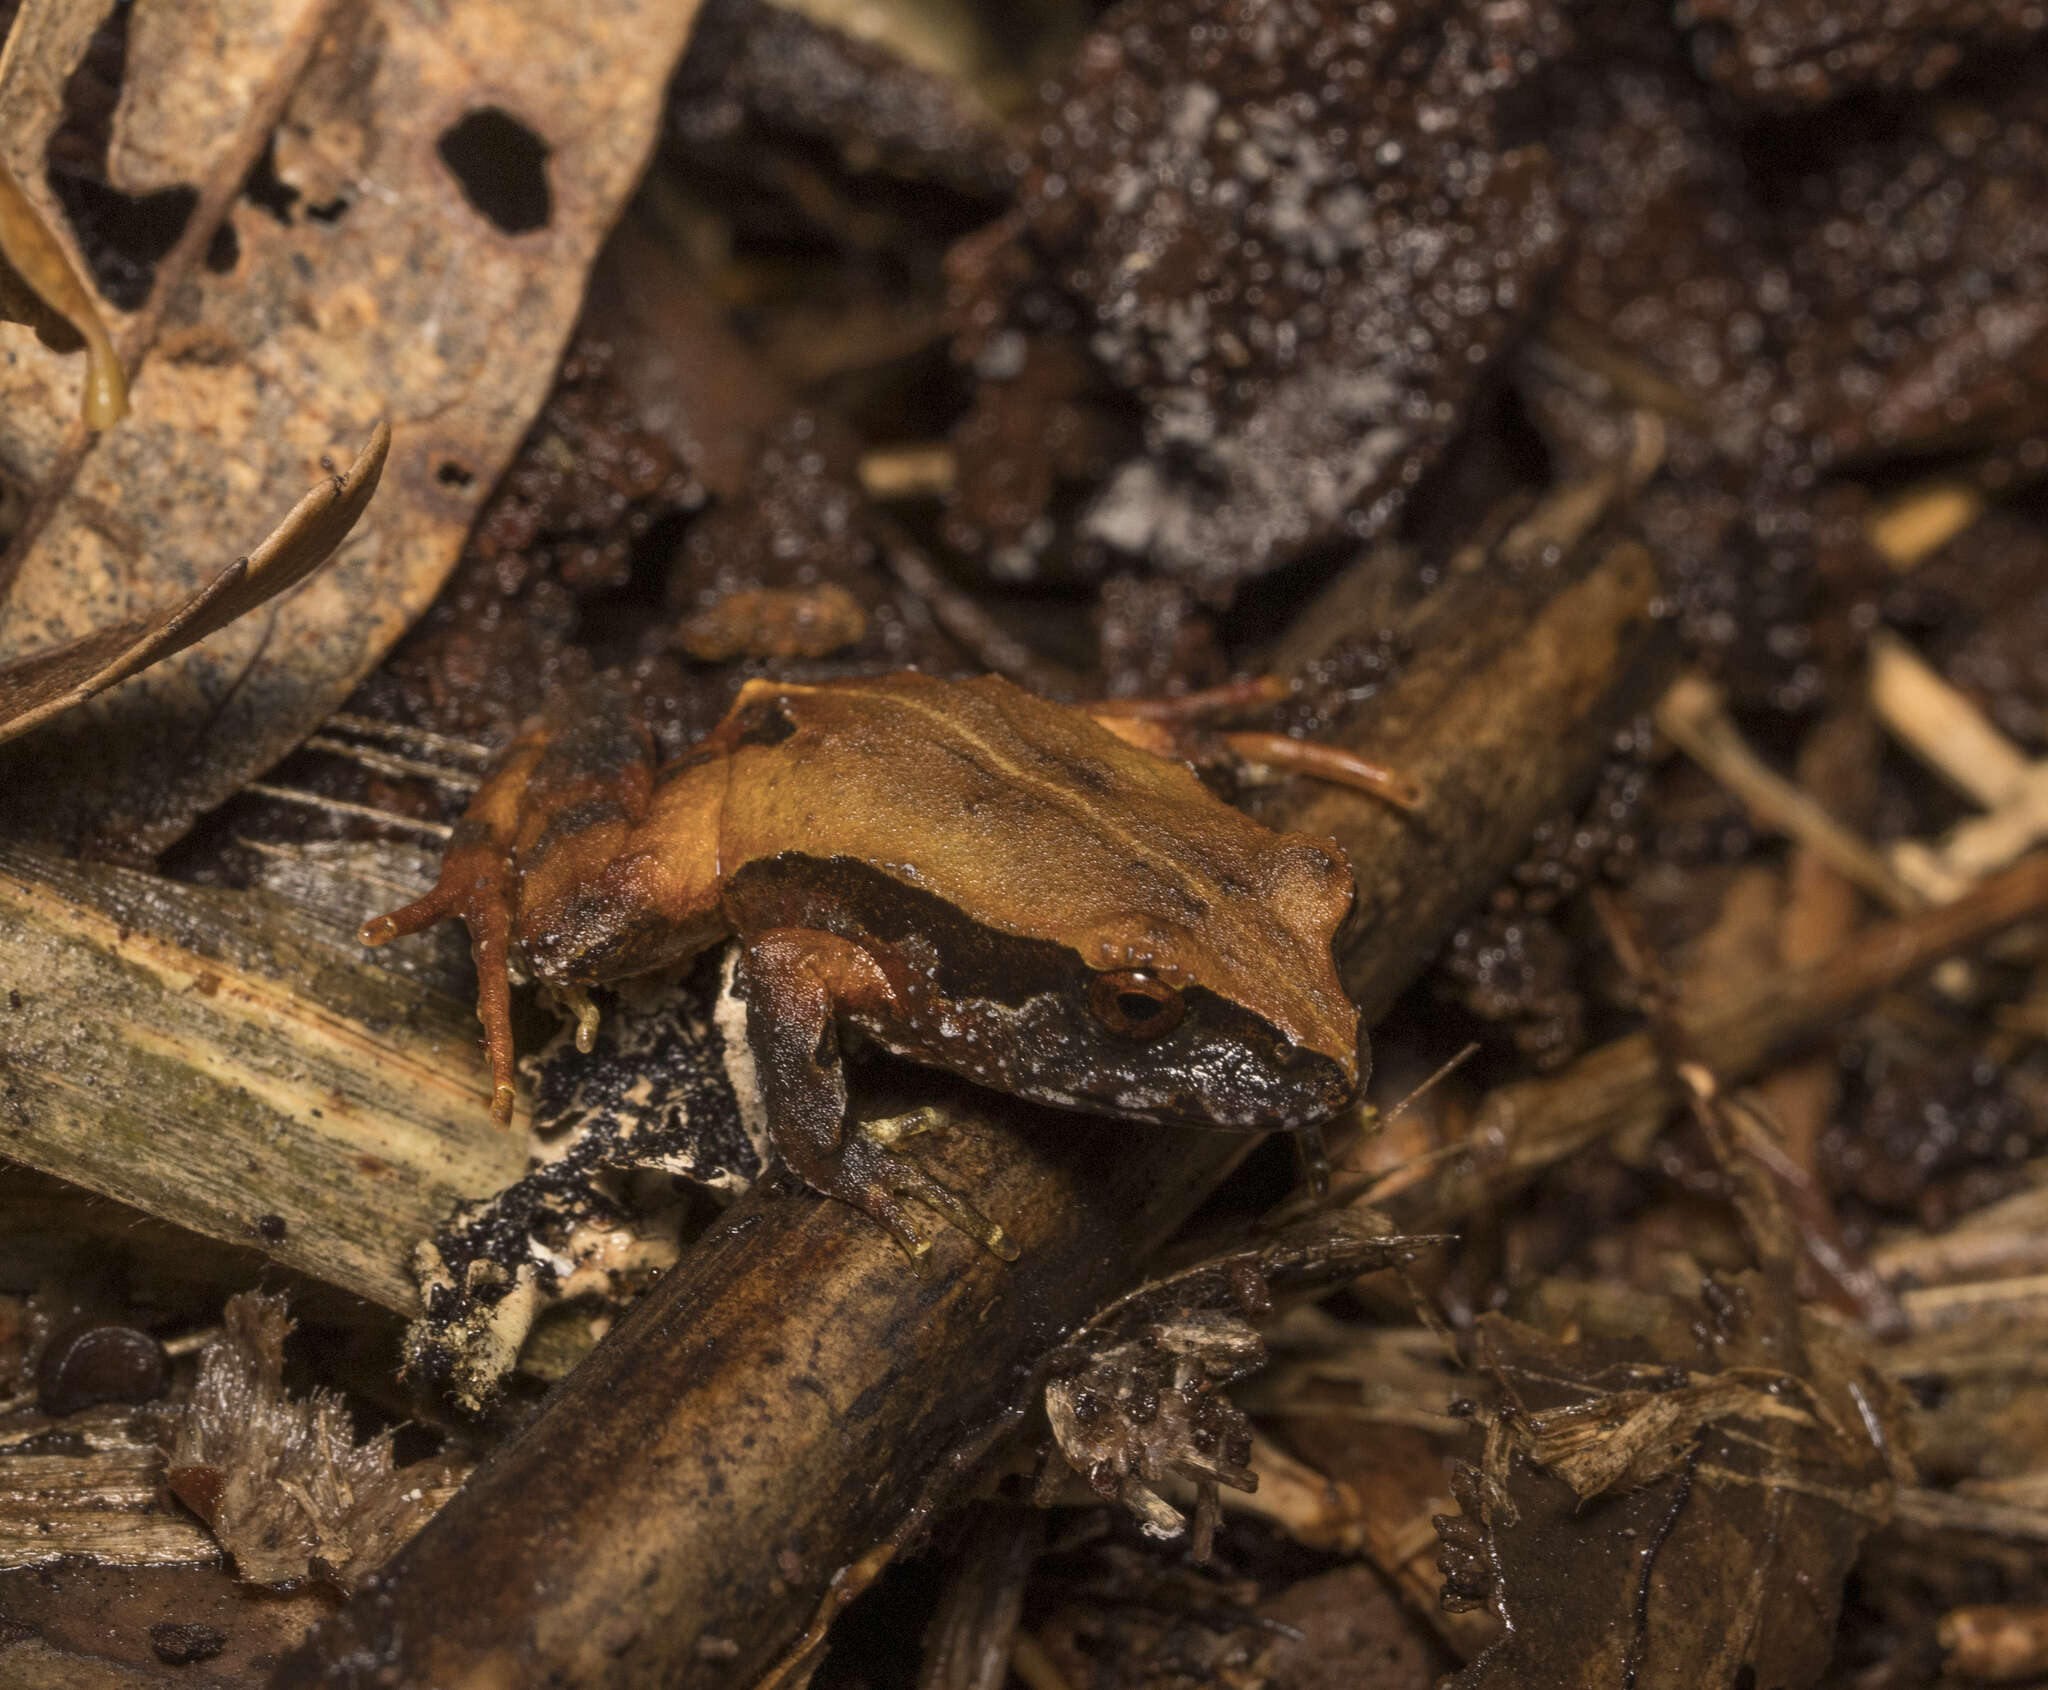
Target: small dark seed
{"x": 99, "y": 1361}
{"x": 179, "y": 1645}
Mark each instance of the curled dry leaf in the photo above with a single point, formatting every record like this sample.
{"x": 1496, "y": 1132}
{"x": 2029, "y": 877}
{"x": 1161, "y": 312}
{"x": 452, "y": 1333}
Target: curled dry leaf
{"x": 46, "y": 683}
{"x": 445, "y": 177}
{"x": 1645, "y": 1502}
{"x": 39, "y": 286}
{"x": 280, "y": 1480}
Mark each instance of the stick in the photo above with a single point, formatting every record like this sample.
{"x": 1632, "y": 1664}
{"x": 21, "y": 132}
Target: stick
{"x": 205, "y": 1058}
{"x": 770, "y": 1413}
{"x": 1694, "y": 716}
{"x": 1622, "y": 1086}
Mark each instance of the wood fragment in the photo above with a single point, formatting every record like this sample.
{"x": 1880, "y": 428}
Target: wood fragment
{"x": 90, "y": 1484}
{"x": 2008, "y": 1237}
{"x": 1838, "y": 766}
{"x": 2010, "y": 1301}
{"x": 1949, "y": 733}
{"x": 1996, "y": 1644}
{"x": 202, "y": 1057}
{"x": 1939, "y": 725}
{"x": 1908, "y": 529}
{"x": 968, "y": 1643}
{"x": 281, "y": 1480}
{"x": 925, "y": 471}
{"x": 790, "y": 1385}
{"x": 1377, "y": 1499}
{"x": 1953, "y": 1514}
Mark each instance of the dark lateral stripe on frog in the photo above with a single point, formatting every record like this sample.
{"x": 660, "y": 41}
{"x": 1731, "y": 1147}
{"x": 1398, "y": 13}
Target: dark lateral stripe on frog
{"x": 565, "y": 825}
{"x": 1000, "y": 998}
{"x": 796, "y": 890}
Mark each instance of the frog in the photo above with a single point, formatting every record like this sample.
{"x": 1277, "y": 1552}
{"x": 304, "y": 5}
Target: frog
{"x": 1030, "y": 895}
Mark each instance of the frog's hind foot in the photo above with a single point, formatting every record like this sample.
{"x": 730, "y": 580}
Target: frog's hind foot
{"x": 1331, "y": 763}
{"x": 874, "y": 1178}
{"x": 1175, "y": 728}
{"x": 475, "y": 885}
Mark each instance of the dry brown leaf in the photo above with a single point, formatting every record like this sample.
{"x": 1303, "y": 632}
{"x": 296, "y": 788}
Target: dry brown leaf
{"x": 392, "y": 286}
{"x": 39, "y": 287}
{"x": 50, "y": 682}
{"x": 1644, "y": 1503}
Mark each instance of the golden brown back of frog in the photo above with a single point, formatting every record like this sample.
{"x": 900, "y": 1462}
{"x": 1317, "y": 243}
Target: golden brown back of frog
{"x": 1035, "y": 820}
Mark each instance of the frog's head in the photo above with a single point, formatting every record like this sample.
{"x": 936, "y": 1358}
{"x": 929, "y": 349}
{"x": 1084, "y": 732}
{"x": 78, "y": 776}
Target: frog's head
{"x": 1225, "y": 1015}
{"x": 1233, "y": 1019}
{"x": 1134, "y": 1043}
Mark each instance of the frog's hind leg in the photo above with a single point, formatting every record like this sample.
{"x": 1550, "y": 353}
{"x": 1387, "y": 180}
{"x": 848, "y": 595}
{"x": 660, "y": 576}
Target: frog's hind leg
{"x": 1331, "y": 763}
{"x": 1176, "y": 728}
{"x": 794, "y": 981}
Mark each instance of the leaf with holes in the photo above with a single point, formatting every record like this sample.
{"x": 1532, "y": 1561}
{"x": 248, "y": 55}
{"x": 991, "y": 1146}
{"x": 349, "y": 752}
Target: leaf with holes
{"x": 298, "y": 216}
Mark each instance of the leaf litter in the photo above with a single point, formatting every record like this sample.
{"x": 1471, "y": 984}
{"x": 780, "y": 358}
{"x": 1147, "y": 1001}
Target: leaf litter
{"x": 1652, "y": 1414}
{"x": 392, "y": 277}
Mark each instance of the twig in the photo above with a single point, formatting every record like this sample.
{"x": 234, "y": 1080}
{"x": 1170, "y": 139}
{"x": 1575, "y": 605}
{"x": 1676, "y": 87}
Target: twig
{"x": 389, "y": 763}
{"x": 992, "y": 645}
{"x": 1695, "y": 718}
{"x": 1951, "y": 1512}
{"x": 1939, "y": 725}
{"x": 371, "y": 727}
{"x": 924, "y": 471}
{"x": 2007, "y": 1237}
{"x": 343, "y": 807}
{"x": 1955, "y": 738}
{"x": 1921, "y": 520}
{"x": 1622, "y": 1087}
{"x": 1821, "y": 910}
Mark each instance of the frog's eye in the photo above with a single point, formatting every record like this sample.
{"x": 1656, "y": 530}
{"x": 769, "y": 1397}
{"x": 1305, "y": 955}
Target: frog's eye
{"x": 1133, "y": 1003}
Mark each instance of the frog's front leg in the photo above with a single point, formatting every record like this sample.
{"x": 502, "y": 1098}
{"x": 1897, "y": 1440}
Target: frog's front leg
{"x": 795, "y": 983}
{"x": 537, "y": 852}
{"x": 479, "y": 883}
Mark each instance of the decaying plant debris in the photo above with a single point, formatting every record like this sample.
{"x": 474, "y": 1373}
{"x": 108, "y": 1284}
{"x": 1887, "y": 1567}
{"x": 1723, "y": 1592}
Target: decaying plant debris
{"x": 283, "y": 1485}
{"x": 1630, "y": 425}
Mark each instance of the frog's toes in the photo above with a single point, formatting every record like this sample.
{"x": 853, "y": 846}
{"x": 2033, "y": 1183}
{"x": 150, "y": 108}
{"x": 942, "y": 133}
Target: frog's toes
{"x": 475, "y": 887}
{"x": 576, "y": 1003}
{"x": 891, "y": 1130}
{"x": 874, "y": 1178}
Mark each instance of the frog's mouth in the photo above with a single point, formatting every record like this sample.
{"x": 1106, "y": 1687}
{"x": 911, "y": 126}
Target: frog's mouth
{"x": 1221, "y": 1068}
